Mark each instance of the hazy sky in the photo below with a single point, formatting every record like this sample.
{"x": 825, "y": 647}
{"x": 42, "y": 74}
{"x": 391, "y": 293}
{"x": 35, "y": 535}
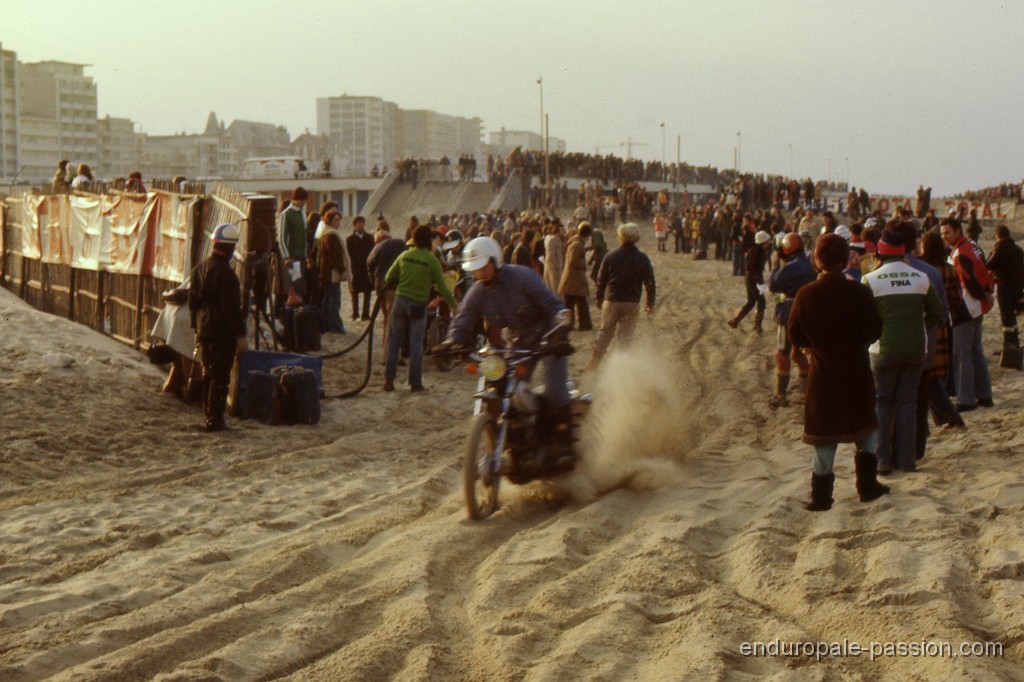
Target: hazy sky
{"x": 900, "y": 92}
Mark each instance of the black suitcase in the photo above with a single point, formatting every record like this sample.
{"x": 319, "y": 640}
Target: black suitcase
{"x": 299, "y": 394}
{"x": 262, "y": 397}
{"x": 306, "y": 327}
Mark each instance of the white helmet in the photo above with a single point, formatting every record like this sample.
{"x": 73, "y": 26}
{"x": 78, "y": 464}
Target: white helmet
{"x": 478, "y": 251}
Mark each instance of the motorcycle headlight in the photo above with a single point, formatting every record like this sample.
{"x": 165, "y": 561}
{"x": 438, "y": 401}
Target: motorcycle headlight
{"x": 493, "y": 367}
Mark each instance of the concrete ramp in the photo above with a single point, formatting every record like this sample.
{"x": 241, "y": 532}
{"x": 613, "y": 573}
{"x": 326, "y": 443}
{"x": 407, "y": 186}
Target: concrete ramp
{"x": 434, "y": 198}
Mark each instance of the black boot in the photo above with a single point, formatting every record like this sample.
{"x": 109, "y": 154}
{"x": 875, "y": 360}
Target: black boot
{"x": 821, "y": 492}
{"x": 735, "y": 322}
{"x": 758, "y": 318}
{"x": 868, "y": 487}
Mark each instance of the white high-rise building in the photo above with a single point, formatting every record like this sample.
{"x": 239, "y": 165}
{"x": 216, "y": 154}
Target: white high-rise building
{"x": 361, "y": 132}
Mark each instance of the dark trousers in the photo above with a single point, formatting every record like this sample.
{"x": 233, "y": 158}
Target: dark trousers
{"x": 218, "y": 359}
{"x": 580, "y": 310}
{"x": 366, "y": 304}
{"x": 754, "y": 297}
{"x": 1007, "y": 300}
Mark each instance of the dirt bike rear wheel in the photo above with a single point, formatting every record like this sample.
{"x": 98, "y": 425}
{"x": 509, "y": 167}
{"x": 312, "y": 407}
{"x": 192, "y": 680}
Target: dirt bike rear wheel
{"x": 480, "y": 487}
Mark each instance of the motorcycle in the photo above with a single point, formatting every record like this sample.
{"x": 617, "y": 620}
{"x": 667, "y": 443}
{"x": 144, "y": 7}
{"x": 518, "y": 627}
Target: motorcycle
{"x": 439, "y": 315}
{"x": 504, "y": 438}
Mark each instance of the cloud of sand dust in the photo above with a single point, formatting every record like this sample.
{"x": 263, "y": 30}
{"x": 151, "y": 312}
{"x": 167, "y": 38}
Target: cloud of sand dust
{"x": 640, "y": 427}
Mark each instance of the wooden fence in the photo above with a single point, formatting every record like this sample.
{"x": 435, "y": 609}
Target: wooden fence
{"x": 125, "y": 306}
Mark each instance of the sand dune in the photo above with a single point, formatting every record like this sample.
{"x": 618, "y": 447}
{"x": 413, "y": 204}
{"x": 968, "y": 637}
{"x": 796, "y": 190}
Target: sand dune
{"x": 134, "y": 546}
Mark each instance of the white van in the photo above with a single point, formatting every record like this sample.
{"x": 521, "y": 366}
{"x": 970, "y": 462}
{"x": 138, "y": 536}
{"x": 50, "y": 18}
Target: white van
{"x": 277, "y": 167}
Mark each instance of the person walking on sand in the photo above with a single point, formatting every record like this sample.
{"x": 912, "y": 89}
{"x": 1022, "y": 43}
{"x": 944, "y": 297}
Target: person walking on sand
{"x": 215, "y": 302}
{"x": 626, "y": 273}
{"x": 415, "y": 271}
{"x": 836, "y": 319}
{"x": 753, "y": 278}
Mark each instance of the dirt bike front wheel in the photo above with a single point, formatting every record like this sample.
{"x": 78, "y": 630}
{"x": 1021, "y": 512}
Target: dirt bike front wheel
{"x": 479, "y": 485}
{"x": 436, "y": 333}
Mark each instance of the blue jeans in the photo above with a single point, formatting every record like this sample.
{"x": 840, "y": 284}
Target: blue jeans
{"x": 896, "y": 380}
{"x": 825, "y": 455}
{"x": 330, "y": 309}
{"x": 408, "y": 318}
{"x": 969, "y": 364}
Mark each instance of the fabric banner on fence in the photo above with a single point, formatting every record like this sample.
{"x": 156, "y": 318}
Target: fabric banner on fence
{"x": 89, "y": 239}
{"x": 55, "y": 232}
{"x": 128, "y": 216}
{"x": 172, "y": 224}
{"x": 30, "y": 244}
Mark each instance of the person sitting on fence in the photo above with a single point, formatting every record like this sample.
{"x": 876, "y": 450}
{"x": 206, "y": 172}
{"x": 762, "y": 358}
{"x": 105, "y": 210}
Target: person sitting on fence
{"x": 135, "y": 183}
{"x": 61, "y": 185}
{"x": 84, "y": 176}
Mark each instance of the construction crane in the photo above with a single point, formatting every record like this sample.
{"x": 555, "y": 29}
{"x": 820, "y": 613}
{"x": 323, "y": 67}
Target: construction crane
{"x": 628, "y": 144}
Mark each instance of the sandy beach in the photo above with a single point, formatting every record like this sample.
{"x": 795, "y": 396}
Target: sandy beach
{"x": 136, "y": 547}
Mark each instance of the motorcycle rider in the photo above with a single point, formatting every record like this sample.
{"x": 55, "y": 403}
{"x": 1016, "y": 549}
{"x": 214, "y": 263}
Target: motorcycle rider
{"x": 515, "y": 297}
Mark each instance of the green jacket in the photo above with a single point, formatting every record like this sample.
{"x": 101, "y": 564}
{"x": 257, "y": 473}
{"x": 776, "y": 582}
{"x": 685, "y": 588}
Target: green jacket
{"x": 416, "y": 271}
{"x": 908, "y": 306}
{"x": 292, "y": 233}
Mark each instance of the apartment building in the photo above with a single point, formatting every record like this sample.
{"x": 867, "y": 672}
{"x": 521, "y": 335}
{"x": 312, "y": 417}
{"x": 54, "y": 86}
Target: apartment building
{"x": 361, "y": 132}
{"x": 425, "y": 134}
{"x": 57, "y": 118}
{"x": 117, "y": 141}
{"x": 8, "y": 114}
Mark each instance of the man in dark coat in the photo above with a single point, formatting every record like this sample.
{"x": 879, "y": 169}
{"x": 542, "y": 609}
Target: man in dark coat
{"x": 359, "y": 245}
{"x": 215, "y": 301}
{"x": 1007, "y": 265}
{"x": 837, "y": 320}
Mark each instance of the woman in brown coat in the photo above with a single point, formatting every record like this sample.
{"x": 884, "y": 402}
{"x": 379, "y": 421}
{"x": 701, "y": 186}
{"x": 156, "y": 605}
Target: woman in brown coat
{"x": 837, "y": 320}
{"x": 573, "y": 287}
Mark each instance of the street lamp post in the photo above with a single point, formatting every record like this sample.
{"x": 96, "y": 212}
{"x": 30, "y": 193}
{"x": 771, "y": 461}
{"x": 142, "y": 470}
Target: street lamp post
{"x": 739, "y": 152}
{"x": 663, "y": 150}
{"x": 540, "y": 82}
{"x": 847, "y": 173}
{"x": 790, "y": 159}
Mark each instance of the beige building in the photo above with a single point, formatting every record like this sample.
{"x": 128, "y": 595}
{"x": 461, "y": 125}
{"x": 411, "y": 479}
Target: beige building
{"x": 8, "y": 114}
{"x": 361, "y": 132}
{"x": 117, "y": 147}
{"x": 424, "y": 134}
{"x": 57, "y": 118}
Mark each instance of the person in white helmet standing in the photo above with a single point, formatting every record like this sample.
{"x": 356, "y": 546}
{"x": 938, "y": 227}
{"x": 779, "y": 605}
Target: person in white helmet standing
{"x": 215, "y": 302}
